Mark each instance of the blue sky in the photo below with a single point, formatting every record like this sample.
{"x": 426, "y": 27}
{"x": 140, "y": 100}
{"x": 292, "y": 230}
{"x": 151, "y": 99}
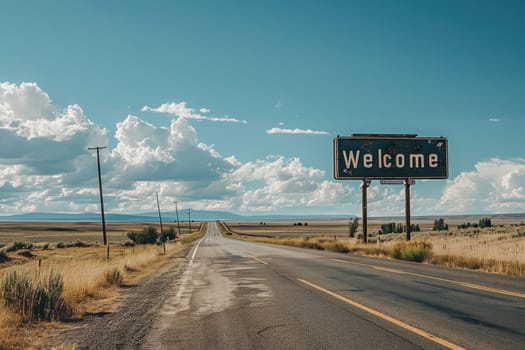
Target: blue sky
{"x": 447, "y": 68}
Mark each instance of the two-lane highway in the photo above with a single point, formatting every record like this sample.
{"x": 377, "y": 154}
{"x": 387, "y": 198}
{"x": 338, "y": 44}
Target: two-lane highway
{"x": 241, "y": 295}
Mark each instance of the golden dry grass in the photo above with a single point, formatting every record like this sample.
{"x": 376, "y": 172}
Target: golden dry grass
{"x": 86, "y": 289}
{"x": 499, "y": 249}
{"x": 505, "y": 243}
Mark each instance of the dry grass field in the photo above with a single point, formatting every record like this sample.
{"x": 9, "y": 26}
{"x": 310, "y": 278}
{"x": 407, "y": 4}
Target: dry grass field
{"x": 91, "y": 284}
{"x": 52, "y": 232}
{"x": 499, "y": 249}
{"x": 312, "y": 228}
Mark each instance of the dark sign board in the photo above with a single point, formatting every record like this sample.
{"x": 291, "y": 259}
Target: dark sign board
{"x": 376, "y": 157}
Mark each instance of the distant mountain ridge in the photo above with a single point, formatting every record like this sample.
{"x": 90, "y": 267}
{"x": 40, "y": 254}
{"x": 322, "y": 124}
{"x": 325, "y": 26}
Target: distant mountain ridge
{"x": 207, "y": 215}
{"x": 73, "y": 217}
{"x": 196, "y": 215}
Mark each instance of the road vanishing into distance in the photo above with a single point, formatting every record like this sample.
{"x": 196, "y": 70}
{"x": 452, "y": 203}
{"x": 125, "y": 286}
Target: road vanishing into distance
{"x": 241, "y": 295}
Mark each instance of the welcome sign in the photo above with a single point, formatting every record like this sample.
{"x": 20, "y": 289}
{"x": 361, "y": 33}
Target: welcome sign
{"x": 390, "y": 157}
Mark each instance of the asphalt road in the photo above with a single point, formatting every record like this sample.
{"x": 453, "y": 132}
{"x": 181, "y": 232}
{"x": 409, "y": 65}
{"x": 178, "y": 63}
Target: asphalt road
{"x": 241, "y": 295}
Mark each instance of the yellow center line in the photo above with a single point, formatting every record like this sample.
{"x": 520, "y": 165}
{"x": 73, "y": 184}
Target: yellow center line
{"x": 390, "y": 319}
{"x": 259, "y": 260}
{"x": 463, "y": 284}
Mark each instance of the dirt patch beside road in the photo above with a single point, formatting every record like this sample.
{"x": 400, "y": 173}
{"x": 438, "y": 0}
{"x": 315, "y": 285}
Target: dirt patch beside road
{"x": 127, "y": 327}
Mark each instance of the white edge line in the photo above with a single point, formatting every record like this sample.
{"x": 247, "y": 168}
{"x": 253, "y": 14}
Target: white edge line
{"x": 195, "y": 251}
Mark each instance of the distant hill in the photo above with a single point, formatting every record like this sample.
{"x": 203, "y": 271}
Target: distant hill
{"x": 196, "y": 215}
{"x": 208, "y": 215}
{"x": 74, "y": 217}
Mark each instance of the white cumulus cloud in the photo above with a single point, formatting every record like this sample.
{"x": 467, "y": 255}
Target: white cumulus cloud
{"x": 494, "y": 186}
{"x": 276, "y": 183}
{"x": 145, "y": 152}
{"x": 35, "y": 134}
{"x": 181, "y": 110}
{"x": 296, "y": 131}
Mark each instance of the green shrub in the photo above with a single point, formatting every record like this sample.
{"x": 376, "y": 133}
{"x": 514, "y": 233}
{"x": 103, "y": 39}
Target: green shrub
{"x": 485, "y": 222}
{"x": 113, "y": 277}
{"x": 3, "y": 257}
{"x": 25, "y": 253}
{"x": 412, "y": 251}
{"x": 34, "y": 298}
{"x": 78, "y": 244}
{"x": 13, "y": 247}
{"x": 353, "y": 227}
{"x": 148, "y": 235}
{"x": 168, "y": 234}
{"x": 439, "y": 225}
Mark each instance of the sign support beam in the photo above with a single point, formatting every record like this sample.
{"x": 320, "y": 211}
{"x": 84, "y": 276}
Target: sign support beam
{"x": 364, "y": 210}
{"x": 407, "y": 206}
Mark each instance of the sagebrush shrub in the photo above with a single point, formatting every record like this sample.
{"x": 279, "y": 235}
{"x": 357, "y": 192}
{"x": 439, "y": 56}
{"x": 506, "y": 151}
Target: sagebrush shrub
{"x": 412, "y": 251}
{"x": 35, "y": 298}
{"x": 148, "y": 235}
{"x": 13, "y": 247}
{"x": 113, "y": 277}
{"x": 167, "y": 235}
{"x": 78, "y": 244}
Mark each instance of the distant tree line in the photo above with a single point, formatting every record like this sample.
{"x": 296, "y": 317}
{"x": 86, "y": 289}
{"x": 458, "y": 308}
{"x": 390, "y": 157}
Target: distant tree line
{"x": 439, "y": 225}
{"x": 393, "y": 227}
{"x": 482, "y": 223}
{"x": 150, "y": 235}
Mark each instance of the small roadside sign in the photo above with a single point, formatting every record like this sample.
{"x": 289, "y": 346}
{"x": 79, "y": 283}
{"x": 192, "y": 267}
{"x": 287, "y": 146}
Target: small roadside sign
{"x": 396, "y": 182}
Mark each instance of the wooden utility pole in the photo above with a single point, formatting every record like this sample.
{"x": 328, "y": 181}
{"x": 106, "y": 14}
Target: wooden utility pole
{"x": 189, "y": 218}
{"x": 160, "y": 218}
{"x": 101, "y": 196}
{"x": 178, "y": 222}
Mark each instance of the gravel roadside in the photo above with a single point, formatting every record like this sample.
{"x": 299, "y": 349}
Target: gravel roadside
{"x": 128, "y": 327}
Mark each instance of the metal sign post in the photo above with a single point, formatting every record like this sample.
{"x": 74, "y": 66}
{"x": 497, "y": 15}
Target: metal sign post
{"x": 407, "y": 207}
{"x": 364, "y": 190}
